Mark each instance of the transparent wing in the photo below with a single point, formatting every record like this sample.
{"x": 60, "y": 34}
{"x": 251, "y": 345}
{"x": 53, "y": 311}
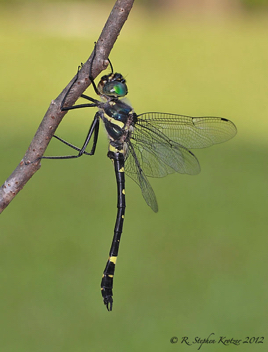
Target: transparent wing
{"x": 190, "y": 132}
{"x": 159, "y": 144}
{"x": 158, "y": 155}
{"x": 133, "y": 170}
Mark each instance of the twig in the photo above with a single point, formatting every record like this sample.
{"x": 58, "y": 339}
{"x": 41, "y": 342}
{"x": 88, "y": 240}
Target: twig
{"x": 54, "y": 115}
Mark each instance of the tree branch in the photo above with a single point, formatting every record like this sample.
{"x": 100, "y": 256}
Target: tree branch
{"x": 54, "y": 115}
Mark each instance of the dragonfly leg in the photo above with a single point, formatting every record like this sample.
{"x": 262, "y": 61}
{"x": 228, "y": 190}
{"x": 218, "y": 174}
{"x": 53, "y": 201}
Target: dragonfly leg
{"x": 94, "y": 129}
{"x": 94, "y": 101}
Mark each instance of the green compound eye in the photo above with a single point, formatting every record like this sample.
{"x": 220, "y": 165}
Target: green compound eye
{"x": 120, "y": 89}
{"x": 116, "y": 89}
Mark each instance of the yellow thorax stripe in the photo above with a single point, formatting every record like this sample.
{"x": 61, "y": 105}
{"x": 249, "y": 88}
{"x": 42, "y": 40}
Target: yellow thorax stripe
{"x": 113, "y": 121}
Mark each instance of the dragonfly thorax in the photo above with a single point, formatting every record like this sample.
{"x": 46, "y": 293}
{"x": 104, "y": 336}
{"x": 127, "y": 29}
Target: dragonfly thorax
{"x": 119, "y": 119}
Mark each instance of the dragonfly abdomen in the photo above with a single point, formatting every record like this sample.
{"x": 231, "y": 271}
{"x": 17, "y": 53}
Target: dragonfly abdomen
{"x": 108, "y": 274}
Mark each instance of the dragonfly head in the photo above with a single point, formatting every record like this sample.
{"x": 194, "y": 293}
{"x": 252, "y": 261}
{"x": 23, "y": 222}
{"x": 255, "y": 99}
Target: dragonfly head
{"x": 113, "y": 85}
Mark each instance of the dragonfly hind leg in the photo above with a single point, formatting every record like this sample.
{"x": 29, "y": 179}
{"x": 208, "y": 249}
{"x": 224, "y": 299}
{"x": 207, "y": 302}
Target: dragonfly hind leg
{"x": 94, "y": 129}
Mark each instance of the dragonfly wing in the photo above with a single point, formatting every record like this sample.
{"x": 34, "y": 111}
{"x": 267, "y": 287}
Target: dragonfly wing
{"x": 190, "y": 132}
{"x": 158, "y": 155}
{"x": 133, "y": 170}
{"x": 159, "y": 144}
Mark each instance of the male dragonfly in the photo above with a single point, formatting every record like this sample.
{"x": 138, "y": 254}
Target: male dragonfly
{"x": 151, "y": 144}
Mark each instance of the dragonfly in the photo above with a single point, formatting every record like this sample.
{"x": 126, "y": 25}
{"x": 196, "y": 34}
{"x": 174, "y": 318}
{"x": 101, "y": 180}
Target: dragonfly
{"x": 150, "y": 144}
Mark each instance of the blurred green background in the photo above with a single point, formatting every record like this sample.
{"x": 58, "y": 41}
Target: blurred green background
{"x": 196, "y": 267}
